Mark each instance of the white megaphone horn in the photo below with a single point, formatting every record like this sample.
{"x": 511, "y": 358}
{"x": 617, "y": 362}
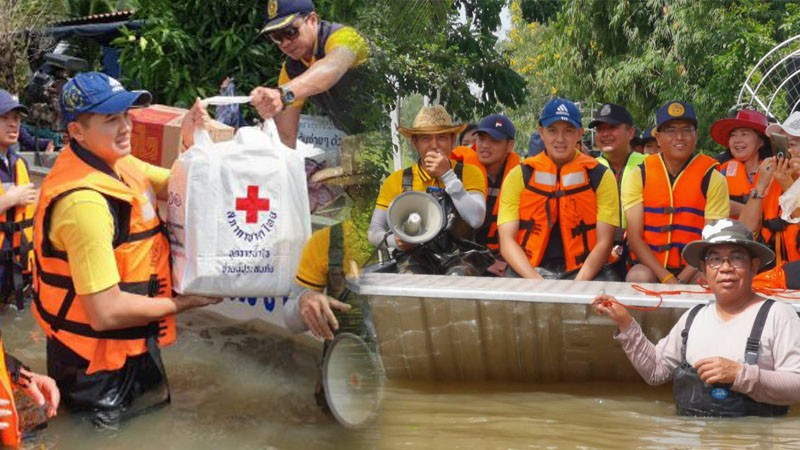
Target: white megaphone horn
{"x": 416, "y": 217}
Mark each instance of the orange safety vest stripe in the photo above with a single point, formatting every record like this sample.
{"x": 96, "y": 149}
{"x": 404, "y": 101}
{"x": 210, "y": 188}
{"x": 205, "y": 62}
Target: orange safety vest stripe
{"x": 674, "y": 214}
{"x": 558, "y": 194}
{"x": 141, "y": 250}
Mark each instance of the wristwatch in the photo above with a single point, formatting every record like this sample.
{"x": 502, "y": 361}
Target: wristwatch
{"x": 754, "y": 194}
{"x": 287, "y": 96}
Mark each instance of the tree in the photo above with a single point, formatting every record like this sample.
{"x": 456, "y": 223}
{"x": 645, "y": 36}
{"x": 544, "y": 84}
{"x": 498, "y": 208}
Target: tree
{"x": 421, "y": 46}
{"x": 643, "y": 53}
{"x": 17, "y": 41}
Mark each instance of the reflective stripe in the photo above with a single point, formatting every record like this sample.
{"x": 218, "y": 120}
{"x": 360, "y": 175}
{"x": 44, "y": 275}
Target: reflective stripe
{"x": 547, "y": 179}
{"x": 573, "y": 179}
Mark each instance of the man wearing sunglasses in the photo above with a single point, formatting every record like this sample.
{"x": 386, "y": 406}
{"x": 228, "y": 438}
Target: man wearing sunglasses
{"x": 322, "y": 65}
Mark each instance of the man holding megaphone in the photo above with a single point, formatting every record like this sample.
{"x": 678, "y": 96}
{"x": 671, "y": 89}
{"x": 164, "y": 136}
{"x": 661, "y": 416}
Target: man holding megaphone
{"x": 414, "y": 222}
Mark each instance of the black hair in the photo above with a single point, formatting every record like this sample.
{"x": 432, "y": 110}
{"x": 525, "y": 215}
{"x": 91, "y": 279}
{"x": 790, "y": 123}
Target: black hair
{"x": 470, "y": 127}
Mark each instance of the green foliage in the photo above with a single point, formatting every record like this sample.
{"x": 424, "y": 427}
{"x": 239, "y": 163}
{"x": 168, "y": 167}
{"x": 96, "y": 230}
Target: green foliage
{"x": 420, "y": 47}
{"x": 189, "y": 47}
{"x": 643, "y": 53}
{"x": 18, "y": 17}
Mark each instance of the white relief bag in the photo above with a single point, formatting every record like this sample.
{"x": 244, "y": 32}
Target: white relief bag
{"x": 238, "y": 215}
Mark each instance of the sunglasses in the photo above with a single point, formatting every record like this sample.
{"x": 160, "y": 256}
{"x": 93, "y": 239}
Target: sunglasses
{"x": 289, "y": 33}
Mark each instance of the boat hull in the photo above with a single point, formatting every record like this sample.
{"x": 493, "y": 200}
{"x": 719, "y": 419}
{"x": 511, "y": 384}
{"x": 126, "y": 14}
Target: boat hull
{"x": 476, "y": 329}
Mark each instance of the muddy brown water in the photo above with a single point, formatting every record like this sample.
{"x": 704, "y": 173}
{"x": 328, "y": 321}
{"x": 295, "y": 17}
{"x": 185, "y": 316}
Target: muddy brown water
{"x": 235, "y": 387}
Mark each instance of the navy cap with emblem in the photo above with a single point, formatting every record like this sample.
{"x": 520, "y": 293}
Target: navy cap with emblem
{"x": 281, "y": 13}
{"x": 675, "y": 110}
{"x": 10, "y": 102}
{"x": 497, "y": 126}
{"x": 612, "y": 114}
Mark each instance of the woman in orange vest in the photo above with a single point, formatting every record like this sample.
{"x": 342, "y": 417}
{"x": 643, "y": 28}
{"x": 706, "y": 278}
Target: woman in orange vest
{"x": 762, "y": 212}
{"x": 746, "y": 146}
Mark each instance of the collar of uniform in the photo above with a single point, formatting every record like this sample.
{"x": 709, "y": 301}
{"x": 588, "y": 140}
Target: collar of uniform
{"x": 424, "y": 176}
{"x": 9, "y": 159}
{"x": 92, "y": 160}
{"x": 683, "y": 167}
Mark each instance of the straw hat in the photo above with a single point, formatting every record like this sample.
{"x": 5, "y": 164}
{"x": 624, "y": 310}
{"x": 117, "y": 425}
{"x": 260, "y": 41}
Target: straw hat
{"x": 432, "y": 120}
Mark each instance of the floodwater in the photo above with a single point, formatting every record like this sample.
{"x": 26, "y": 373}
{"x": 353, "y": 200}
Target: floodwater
{"x": 237, "y": 388}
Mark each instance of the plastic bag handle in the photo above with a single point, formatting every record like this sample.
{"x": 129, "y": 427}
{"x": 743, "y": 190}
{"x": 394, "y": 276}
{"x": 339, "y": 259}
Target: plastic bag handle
{"x": 202, "y": 138}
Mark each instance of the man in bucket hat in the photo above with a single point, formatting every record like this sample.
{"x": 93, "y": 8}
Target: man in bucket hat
{"x": 559, "y": 210}
{"x": 102, "y": 286}
{"x": 324, "y": 65}
{"x": 660, "y": 197}
{"x": 460, "y": 186}
{"x": 736, "y": 356}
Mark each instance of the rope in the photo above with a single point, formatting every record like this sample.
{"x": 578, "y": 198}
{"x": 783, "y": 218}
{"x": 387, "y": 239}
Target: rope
{"x": 769, "y": 292}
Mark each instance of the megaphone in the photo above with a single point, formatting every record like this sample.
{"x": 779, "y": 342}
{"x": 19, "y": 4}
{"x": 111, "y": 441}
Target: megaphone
{"x": 353, "y": 378}
{"x": 416, "y": 217}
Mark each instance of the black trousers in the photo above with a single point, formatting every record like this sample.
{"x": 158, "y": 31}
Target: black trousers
{"x": 109, "y": 397}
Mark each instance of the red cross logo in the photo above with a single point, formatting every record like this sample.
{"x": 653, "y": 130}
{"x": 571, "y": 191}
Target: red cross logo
{"x": 252, "y": 204}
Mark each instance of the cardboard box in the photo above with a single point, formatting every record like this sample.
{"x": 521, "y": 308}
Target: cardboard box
{"x": 156, "y": 136}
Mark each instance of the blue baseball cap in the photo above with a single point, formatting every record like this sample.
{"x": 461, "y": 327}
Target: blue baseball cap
{"x": 281, "y": 13}
{"x": 95, "y": 92}
{"x": 647, "y": 135}
{"x": 560, "y": 109}
{"x": 497, "y": 126}
{"x": 10, "y": 102}
{"x": 675, "y": 110}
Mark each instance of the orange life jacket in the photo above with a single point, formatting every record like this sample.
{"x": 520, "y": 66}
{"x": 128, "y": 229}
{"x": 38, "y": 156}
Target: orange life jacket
{"x": 565, "y": 195}
{"x": 487, "y": 233}
{"x": 739, "y": 186}
{"x": 19, "y": 258}
{"x": 674, "y": 213}
{"x": 774, "y": 278}
{"x": 776, "y": 233}
{"x": 11, "y": 436}
{"x": 141, "y": 250}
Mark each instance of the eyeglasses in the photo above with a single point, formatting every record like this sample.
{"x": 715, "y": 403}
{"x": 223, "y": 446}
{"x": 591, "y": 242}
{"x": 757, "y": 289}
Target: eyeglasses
{"x": 673, "y": 131}
{"x": 736, "y": 260}
{"x": 289, "y": 33}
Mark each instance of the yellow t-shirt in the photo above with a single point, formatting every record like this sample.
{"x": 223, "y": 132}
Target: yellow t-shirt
{"x": 607, "y": 198}
{"x": 346, "y": 37}
{"x": 471, "y": 177}
{"x": 82, "y": 226}
{"x": 717, "y": 202}
{"x": 312, "y": 272}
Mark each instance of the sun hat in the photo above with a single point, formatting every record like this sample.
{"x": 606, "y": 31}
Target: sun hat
{"x": 432, "y": 120}
{"x": 746, "y": 118}
{"x": 726, "y": 231}
{"x": 790, "y": 126}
